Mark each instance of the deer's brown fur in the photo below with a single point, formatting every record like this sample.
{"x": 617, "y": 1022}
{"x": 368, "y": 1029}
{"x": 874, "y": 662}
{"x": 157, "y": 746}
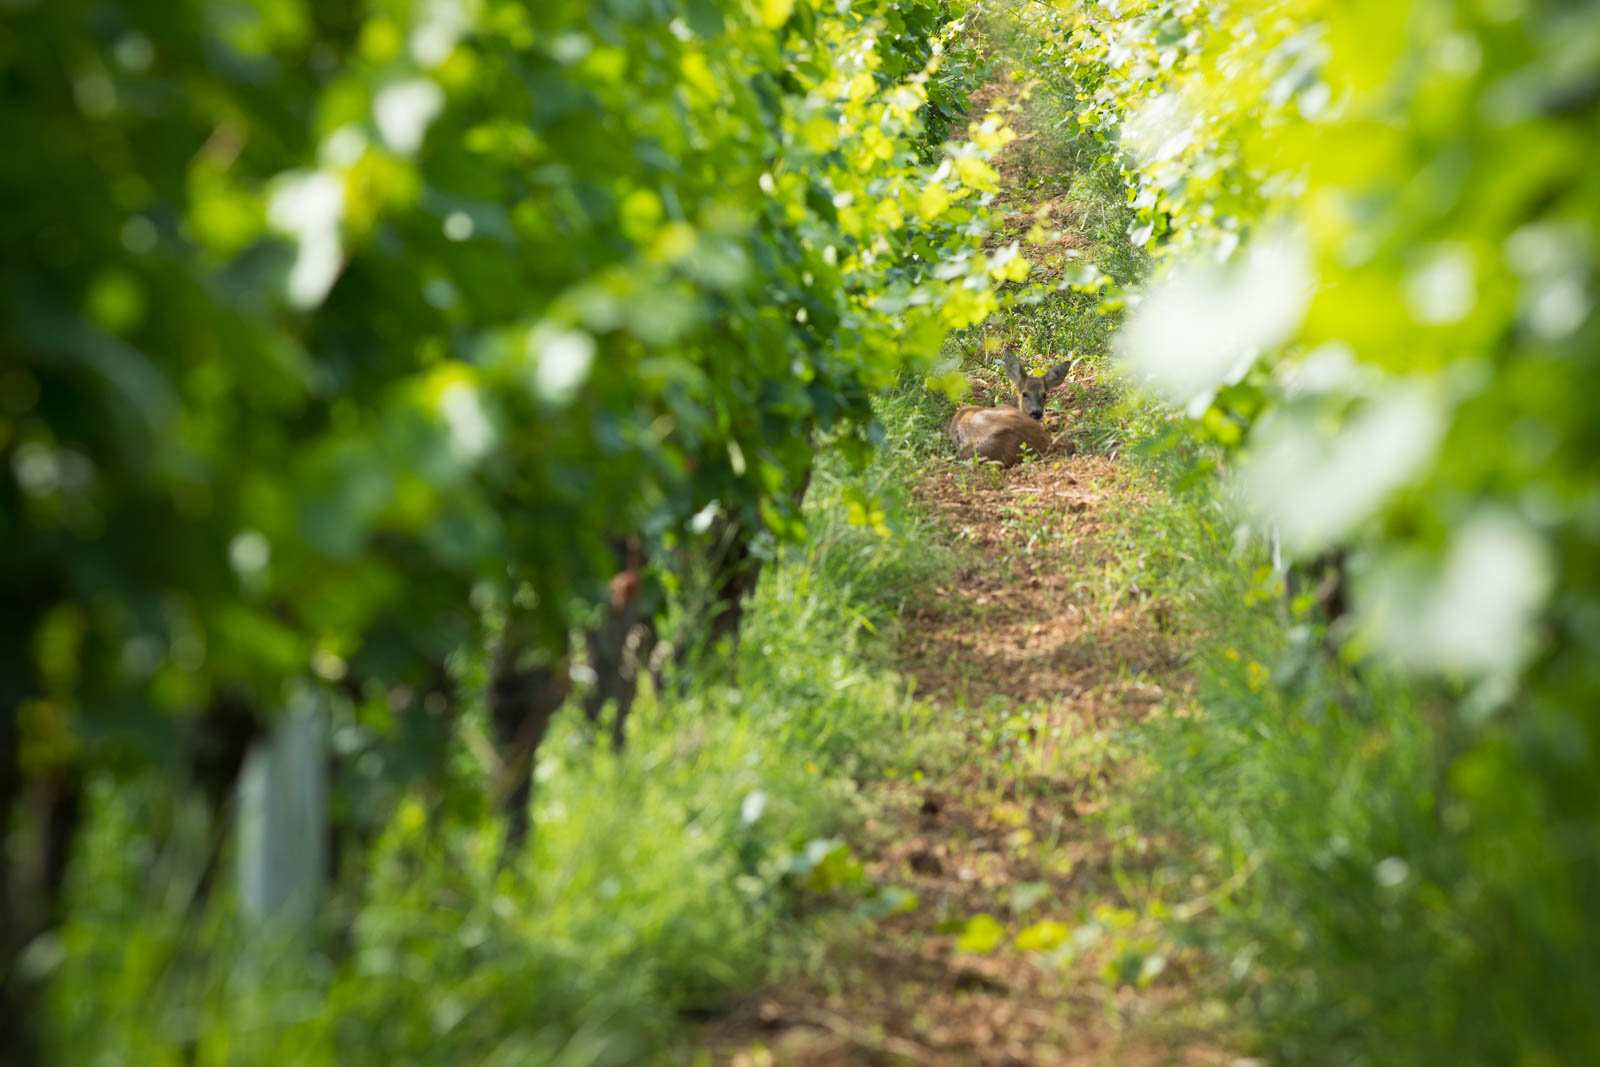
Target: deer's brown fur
{"x": 1002, "y": 434}
{"x": 996, "y": 434}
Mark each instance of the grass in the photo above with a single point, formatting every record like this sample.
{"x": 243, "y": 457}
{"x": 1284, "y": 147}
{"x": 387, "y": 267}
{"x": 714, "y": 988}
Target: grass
{"x": 1382, "y": 880}
{"x": 657, "y": 882}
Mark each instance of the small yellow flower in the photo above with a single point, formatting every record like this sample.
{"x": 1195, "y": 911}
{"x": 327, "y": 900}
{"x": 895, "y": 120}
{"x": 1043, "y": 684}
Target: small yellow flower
{"x": 1256, "y": 676}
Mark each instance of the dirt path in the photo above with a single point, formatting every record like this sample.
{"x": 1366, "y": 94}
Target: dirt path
{"x": 1038, "y": 654}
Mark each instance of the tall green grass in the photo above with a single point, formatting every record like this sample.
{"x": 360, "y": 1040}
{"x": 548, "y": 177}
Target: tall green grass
{"x": 657, "y": 882}
{"x": 1383, "y": 892}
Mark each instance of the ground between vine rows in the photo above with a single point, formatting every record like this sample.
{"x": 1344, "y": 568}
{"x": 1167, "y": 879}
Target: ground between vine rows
{"x": 1038, "y": 655}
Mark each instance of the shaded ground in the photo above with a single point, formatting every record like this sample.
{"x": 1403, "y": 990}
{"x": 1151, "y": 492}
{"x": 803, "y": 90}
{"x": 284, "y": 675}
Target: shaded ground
{"x": 1038, "y": 652}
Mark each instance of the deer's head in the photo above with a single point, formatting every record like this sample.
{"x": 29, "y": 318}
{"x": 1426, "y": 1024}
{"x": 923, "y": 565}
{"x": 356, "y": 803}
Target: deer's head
{"x": 1031, "y": 388}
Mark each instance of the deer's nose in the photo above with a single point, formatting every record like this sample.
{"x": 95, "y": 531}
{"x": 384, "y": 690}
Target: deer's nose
{"x": 1036, "y": 416}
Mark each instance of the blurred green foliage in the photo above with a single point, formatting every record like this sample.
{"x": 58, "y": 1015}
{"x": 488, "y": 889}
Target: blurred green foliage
{"x": 332, "y": 330}
{"x": 658, "y": 883}
{"x": 1375, "y": 231}
{"x": 330, "y": 314}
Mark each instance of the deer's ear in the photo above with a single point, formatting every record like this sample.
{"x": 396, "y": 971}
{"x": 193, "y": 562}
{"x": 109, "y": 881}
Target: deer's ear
{"x": 1056, "y": 375}
{"x": 1014, "y": 370}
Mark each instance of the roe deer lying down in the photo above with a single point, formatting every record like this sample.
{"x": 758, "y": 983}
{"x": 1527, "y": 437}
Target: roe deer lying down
{"x": 1000, "y": 434}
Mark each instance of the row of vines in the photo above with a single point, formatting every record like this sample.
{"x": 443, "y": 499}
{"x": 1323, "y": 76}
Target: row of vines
{"x": 344, "y": 339}
{"x": 1376, "y": 230}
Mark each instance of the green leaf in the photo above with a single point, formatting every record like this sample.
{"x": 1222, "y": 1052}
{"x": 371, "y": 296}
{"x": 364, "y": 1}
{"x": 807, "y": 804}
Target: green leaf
{"x": 982, "y": 934}
{"x": 1043, "y": 936}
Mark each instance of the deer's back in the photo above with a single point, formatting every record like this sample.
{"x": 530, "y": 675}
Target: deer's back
{"x": 996, "y": 434}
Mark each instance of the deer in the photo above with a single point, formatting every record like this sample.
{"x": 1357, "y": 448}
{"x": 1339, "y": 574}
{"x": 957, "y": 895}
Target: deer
{"x": 999, "y": 434}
